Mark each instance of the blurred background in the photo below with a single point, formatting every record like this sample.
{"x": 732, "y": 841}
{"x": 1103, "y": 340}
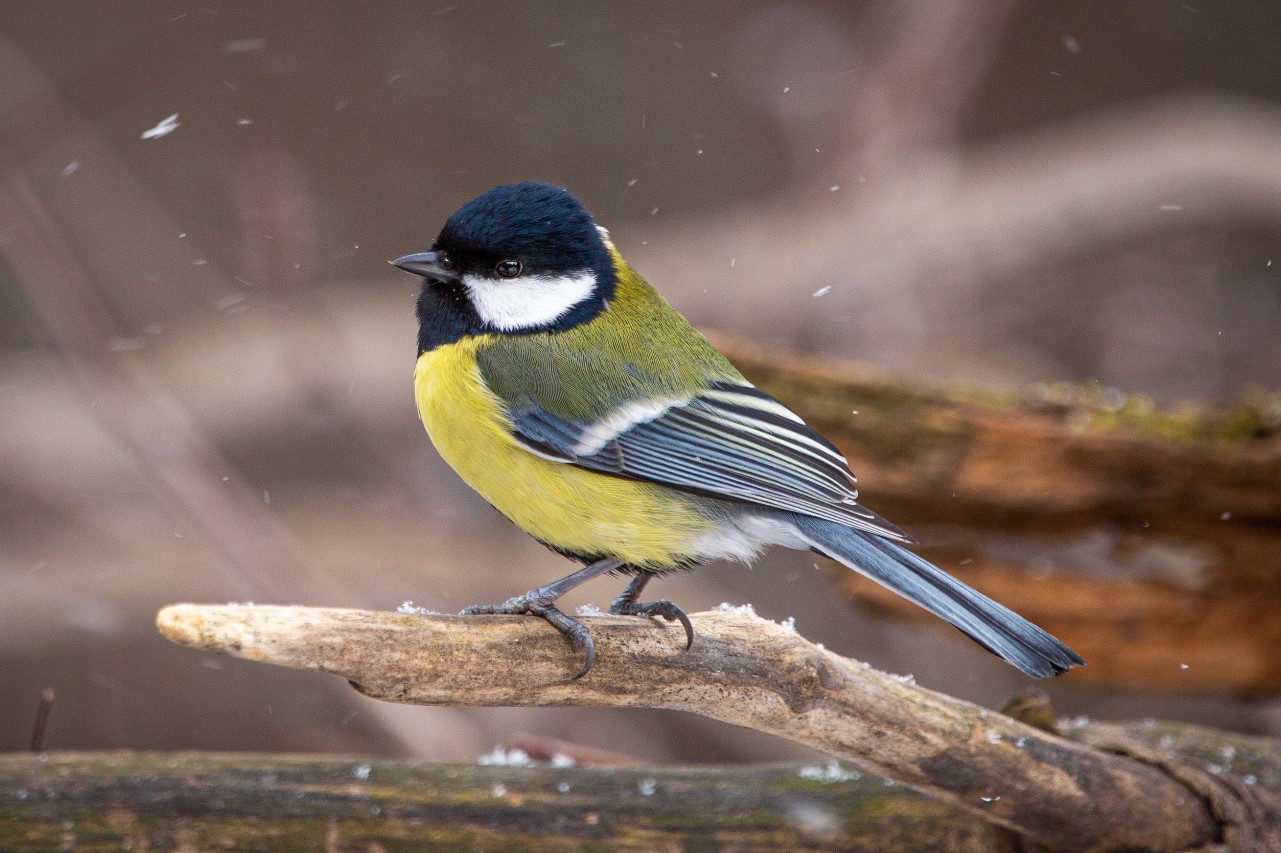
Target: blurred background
{"x": 205, "y": 359}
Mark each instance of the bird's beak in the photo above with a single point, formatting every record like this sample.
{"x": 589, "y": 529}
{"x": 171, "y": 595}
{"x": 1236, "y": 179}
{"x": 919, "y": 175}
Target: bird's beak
{"x": 433, "y": 265}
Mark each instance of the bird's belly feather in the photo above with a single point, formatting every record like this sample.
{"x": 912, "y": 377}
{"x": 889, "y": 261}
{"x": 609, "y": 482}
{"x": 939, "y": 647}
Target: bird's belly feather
{"x": 567, "y": 507}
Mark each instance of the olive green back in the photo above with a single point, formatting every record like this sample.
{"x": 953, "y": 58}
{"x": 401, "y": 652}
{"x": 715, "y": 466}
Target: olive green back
{"x": 639, "y": 348}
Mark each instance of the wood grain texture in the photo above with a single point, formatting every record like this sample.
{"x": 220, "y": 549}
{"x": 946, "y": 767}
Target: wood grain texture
{"x": 750, "y": 672}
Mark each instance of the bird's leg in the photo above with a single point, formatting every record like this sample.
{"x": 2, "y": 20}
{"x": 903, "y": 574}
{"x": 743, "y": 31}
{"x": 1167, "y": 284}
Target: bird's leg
{"x": 542, "y": 602}
{"x": 627, "y": 605}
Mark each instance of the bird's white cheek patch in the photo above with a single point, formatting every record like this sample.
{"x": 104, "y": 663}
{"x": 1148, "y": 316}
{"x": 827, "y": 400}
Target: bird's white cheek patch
{"x": 528, "y": 301}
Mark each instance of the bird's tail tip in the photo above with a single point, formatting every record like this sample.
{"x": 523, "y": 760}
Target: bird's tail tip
{"x": 993, "y": 626}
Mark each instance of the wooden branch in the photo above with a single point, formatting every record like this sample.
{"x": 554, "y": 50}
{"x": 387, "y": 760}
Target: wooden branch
{"x": 754, "y": 673}
{"x": 197, "y": 801}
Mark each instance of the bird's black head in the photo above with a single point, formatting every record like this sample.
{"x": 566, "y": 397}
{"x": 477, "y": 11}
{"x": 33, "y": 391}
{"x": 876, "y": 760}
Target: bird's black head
{"x": 540, "y": 226}
{"x": 522, "y": 258}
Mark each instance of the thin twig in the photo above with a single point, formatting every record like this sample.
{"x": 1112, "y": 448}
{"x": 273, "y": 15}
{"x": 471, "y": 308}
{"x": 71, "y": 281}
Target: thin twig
{"x": 42, "y": 720}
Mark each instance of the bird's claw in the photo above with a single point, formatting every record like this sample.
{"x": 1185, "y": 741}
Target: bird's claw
{"x": 541, "y": 602}
{"x": 663, "y": 609}
{"x": 582, "y": 641}
{"x": 530, "y": 603}
{"x": 534, "y": 604}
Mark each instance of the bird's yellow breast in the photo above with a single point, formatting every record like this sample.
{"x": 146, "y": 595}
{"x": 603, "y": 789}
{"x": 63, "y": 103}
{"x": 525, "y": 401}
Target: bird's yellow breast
{"x": 568, "y": 507}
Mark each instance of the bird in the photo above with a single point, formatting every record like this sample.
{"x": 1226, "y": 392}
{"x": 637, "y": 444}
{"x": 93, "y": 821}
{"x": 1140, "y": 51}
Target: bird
{"x": 572, "y": 397}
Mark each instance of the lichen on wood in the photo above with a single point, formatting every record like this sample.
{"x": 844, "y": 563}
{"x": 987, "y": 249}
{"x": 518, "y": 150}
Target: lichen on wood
{"x": 282, "y": 803}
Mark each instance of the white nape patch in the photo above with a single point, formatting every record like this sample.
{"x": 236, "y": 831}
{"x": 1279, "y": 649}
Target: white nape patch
{"x": 527, "y": 301}
{"x": 743, "y": 538}
{"x": 619, "y": 421}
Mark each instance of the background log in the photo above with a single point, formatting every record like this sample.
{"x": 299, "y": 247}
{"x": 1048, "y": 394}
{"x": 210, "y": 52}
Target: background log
{"x": 197, "y": 801}
{"x": 761, "y": 675}
{"x": 1148, "y": 540}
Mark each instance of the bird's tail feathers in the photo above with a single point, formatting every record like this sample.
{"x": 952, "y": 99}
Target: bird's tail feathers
{"x": 993, "y": 626}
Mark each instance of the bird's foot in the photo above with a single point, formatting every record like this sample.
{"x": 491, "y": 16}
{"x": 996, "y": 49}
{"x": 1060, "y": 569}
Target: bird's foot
{"x": 663, "y": 609}
{"x": 537, "y": 603}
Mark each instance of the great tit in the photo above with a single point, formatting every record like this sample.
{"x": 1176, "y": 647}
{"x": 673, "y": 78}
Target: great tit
{"x": 570, "y": 395}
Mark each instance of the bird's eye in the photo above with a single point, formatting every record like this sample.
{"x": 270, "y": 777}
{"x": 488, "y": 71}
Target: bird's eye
{"x": 507, "y": 269}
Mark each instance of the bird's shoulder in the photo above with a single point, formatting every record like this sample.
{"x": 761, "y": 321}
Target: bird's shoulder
{"x": 638, "y": 348}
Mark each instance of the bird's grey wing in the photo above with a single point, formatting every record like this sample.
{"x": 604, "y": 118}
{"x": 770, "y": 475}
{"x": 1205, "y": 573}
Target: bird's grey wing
{"x": 731, "y": 441}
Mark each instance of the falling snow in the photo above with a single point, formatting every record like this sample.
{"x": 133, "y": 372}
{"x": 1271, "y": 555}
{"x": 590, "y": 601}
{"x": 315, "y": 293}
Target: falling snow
{"x": 164, "y": 128}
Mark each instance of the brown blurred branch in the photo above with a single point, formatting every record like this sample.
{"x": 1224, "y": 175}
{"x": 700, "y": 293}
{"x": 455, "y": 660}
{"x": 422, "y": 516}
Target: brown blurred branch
{"x": 911, "y": 95}
{"x": 943, "y": 222}
{"x": 84, "y": 259}
{"x": 754, "y": 673}
{"x": 1148, "y": 540}
{"x": 175, "y": 455}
